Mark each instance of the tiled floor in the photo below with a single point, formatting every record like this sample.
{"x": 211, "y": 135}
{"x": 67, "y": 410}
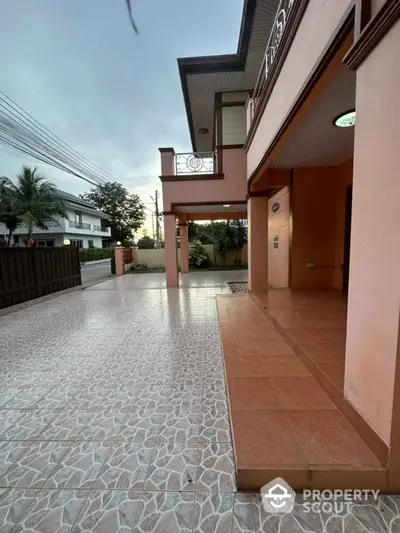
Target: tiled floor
{"x": 281, "y": 417}
{"x": 114, "y": 417}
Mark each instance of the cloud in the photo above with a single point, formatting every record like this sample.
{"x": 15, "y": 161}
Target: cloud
{"x": 78, "y": 68}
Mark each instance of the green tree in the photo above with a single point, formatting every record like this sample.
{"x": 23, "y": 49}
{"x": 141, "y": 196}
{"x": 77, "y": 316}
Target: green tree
{"x": 7, "y": 201}
{"x": 34, "y": 201}
{"x": 126, "y": 212}
{"x": 146, "y": 242}
{"x": 232, "y": 238}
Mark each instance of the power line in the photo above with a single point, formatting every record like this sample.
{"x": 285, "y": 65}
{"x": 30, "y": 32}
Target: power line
{"x": 21, "y": 131}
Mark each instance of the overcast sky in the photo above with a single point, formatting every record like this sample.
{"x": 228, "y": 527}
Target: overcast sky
{"x": 78, "y": 67}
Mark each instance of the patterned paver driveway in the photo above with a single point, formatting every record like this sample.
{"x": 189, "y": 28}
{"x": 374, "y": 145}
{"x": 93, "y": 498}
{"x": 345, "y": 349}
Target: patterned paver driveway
{"x": 113, "y": 418}
{"x": 113, "y": 413}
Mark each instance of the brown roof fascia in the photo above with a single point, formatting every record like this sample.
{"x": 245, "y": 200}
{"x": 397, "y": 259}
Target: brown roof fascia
{"x": 219, "y": 63}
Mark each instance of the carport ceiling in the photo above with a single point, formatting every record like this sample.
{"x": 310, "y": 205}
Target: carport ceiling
{"x": 195, "y": 209}
{"x": 316, "y": 141}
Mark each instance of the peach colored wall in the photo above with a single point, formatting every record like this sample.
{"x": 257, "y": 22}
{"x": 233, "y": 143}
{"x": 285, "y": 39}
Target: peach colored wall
{"x": 318, "y": 200}
{"x": 316, "y": 28}
{"x": 344, "y": 177}
{"x": 375, "y": 6}
{"x": 278, "y": 225}
{"x": 232, "y": 188}
{"x": 374, "y": 293}
{"x": 257, "y": 209}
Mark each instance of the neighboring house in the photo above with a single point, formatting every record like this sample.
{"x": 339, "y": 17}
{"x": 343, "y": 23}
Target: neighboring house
{"x": 85, "y": 227}
{"x": 281, "y": 130}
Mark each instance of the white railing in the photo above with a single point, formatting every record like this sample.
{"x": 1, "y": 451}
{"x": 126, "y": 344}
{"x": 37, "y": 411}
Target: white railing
{"x": 196, "y": 163}
{"x": 282, "y": 15}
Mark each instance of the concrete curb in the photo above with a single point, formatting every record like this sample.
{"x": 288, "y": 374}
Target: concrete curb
{"x": 96, "y": 262}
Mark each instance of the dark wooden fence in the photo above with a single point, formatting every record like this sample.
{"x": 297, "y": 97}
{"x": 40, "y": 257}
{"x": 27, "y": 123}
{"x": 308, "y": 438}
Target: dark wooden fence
{"x": 28, "y": 273}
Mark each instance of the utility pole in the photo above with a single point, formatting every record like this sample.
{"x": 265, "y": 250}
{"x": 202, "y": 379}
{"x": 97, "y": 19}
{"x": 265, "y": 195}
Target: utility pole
{"x": 157, "y": 222}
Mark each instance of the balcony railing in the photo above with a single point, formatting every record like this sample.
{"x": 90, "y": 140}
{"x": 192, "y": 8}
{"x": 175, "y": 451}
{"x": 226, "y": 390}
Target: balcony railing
{"x": 49, "y": 224}
{"x": 196, "y": 163}
{"x": 278, "y": 29}
{"x": 78, "y": 225}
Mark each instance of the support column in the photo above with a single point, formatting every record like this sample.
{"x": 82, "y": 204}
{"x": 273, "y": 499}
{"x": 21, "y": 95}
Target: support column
{"x": 171, "y": 250}
{"x": 372, "y": 367}
{"x": 184, "y": 235}
{"x": 257, "y": 212}
{"x": 119, "y": 261}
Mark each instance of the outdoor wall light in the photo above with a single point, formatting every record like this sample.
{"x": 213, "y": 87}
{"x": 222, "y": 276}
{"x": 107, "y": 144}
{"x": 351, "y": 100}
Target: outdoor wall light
{"x": 226, "y": 205}
{"x": 346, "y": 119}
{"x": 118, "y": 243}
{"x": 203, "y": 131}
{"x": 66, "y": 242}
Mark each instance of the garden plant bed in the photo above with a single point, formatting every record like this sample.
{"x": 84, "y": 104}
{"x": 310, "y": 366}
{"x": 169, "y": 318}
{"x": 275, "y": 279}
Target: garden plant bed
{"x": 238, "y": 287}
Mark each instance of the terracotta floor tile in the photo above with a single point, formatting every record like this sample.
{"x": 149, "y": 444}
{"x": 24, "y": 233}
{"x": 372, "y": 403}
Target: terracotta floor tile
{"x": 272, "y": 347}
{"x": 303, "y": 335}
{"x": 287, "y": 365}
{"x": 249, "y": 366}
{"x": 246, "y": 346}
{"x": 325, "y": 351}
{"x": 301, "y": 393}
{"x": 265, "y": 439}
{"x": 334, "y": 371}
{"x": 252, "y": 393}
{"x": 327, "y": 439}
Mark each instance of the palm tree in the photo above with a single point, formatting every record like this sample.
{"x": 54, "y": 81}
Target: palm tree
{"x": 7, "y": 205}
{"x": 36, "y": 201}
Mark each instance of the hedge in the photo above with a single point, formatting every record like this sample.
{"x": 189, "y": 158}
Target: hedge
{"x": 94, "y": 254}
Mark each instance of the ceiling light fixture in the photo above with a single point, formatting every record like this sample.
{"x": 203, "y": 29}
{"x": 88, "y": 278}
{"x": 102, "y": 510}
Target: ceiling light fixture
{"x": 226, "y": 205}
{"x": 203, "y": 131}
{"x": 346, "y": 119}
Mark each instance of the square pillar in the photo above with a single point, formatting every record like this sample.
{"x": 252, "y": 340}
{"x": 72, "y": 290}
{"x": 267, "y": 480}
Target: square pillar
{"x": 257, "y": 212}
{"x": 171, "y": 250}
{"x": 372, "y": 369}
{"x": 119, "y": 261}
{"x": 184, "y": 239}
{"x": 167, "y": 161}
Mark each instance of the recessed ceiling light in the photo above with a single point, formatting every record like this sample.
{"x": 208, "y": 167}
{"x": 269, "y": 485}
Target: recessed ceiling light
{"x": 203, "y": 131}
{"x": 346, "y": 119}
{"x": 226, "y": 205}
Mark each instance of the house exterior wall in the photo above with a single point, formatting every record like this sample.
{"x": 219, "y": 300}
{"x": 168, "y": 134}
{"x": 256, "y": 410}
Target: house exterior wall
{"x": 278, "y": 234}
{"x": 319, "y": 200}
{"x": 233, "y": 125}
{"x": 374, "y": 291}
{"x": 64, "y": 231}
{"x": 316, "y": 29}
{"x": 375, "y": 6}
{"x": 231, "y": 188}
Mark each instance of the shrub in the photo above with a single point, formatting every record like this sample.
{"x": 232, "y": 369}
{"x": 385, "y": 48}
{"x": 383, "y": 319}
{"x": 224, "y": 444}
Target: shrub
{"x": 198, "y": 257}
{"x": 145, "y": 243}
{"x": 94, "y": 254}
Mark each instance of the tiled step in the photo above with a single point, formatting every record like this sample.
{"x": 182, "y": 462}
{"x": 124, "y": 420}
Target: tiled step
{"x": 283, "y": 422}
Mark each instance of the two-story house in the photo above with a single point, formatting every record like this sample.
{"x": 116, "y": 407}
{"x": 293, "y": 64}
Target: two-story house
{"x": 299, "y": 130}
{"x": 85, "y": 227}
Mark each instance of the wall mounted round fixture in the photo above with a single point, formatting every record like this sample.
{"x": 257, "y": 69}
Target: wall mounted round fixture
{"x": 275, "y": 207}
{"x": 66, "y": 242}
{"x": 226, "y": 205}
{"x": 346, "y": 119}
{"x": 118, "y": 243}
{"x": 203, "y": 131}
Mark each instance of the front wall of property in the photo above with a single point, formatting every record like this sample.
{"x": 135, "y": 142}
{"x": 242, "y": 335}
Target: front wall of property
{"x": 319, "y": 199}
{"x": 232, "y": 188}
{"x": 316, "y": 29}
{"x": 374, "y": 292}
